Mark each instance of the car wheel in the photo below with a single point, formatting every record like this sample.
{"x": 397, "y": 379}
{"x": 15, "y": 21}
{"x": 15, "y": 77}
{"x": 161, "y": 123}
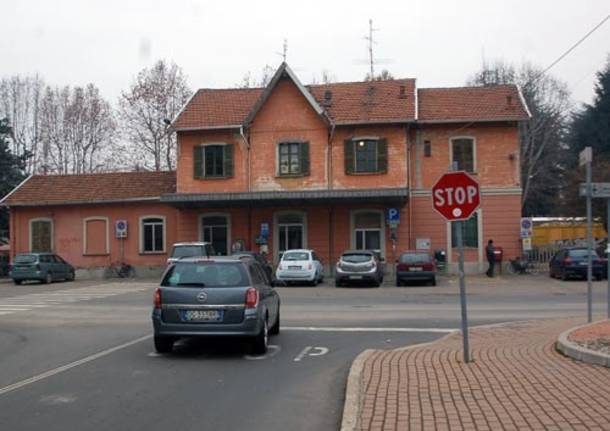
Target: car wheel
{"x": 260, "y": 343}
{"x": 275, "y": 329}
{"x": 71, "y": 276}
{"x": 598, "y": 278}
{"x": 338, "y": 283}
{"x": 163, "y": 344}
{"x": 564, "y": 275}
{"x": 17, "y": 282}
{"x": 398, "y": 283}
{"x": 48, "y": 279}
{"x": 433, "y": 281}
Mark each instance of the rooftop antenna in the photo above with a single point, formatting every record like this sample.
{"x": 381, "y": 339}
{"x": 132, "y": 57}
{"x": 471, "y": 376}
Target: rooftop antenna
{"x": 370, "y": 40}
{"x": 284, "y": 50}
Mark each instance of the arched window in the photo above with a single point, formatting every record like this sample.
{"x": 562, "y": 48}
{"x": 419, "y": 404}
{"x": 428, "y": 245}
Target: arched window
{"x": 215, "y": 230}
{"x": 152, "y": 234}
{"x": 41, "y": 235}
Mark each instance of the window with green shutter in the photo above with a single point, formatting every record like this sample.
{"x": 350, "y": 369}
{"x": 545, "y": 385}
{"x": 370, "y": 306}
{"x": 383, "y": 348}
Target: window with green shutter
{"x": 213, "y": 161}
{"x": 366, "y": 156}
{"x": 470, "y": 232}
{"x": 293, "y": 158}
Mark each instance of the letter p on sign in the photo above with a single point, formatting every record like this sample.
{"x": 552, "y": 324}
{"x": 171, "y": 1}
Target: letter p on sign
{"x": 456, "y": 196}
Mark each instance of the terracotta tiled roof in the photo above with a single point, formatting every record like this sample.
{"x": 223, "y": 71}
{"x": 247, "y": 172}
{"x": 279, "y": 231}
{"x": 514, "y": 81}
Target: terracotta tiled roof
{"x": 501, "y": 102}
{"x": 352, "y": 102}
{"x": 221, "y": 107}
{"x": 109, "y": 187}
{"x": 363, "y": 102}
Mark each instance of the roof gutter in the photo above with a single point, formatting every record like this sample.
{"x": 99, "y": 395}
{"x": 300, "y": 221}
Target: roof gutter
{"x": 195, "y": 129}
{"x": 62, "y": 203}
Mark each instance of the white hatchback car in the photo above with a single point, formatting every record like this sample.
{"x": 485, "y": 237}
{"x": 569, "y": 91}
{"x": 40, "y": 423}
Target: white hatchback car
{"x": 300, "y": 266}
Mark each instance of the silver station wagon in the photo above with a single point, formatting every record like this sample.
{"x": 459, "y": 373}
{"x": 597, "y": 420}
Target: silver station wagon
{"x": 215, "y": 297}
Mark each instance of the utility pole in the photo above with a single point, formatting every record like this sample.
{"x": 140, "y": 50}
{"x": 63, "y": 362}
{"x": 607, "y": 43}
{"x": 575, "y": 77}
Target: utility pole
{"x": 284, "y": 52}
{"x": 585, "y": 158}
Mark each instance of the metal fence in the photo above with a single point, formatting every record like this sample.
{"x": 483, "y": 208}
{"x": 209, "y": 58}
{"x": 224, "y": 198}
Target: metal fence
{"x": 543, "y": 253}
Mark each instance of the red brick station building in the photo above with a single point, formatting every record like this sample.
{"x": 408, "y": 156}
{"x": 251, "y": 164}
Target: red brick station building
{"x": 295, "y": 166}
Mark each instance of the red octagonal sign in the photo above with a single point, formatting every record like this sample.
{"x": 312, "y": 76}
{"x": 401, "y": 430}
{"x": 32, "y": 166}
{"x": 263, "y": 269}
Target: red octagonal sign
{"x": 456, "y": 196}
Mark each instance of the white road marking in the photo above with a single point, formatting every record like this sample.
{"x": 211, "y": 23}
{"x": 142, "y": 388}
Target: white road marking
{"x": 272, "y": 350}
{"x": 319, "y": 351}
{"x": 302, "y": 354}
{"x": 68, "y": 296}
{"x": 58, "y": 370}
{"x": 370, "y": 329}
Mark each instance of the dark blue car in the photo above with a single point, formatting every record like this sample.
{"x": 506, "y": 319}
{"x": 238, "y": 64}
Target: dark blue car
{"x": 572, "y": 262}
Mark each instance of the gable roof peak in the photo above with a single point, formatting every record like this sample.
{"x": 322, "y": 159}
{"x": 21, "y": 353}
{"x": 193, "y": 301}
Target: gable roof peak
{"x": 284, "y": 71}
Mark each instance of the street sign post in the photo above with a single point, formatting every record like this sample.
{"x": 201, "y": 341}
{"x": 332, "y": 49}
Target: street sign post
{"x": 585, "y": 159}
{"x": 456, "y": 196}
{"x": 602, "y": 190}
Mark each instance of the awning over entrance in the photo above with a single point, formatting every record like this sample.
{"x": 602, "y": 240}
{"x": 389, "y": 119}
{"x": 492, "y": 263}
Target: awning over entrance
{"x": 394, "y": 196}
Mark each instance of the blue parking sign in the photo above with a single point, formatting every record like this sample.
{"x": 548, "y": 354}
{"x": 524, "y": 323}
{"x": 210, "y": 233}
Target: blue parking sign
{"x": 393, "y": 215}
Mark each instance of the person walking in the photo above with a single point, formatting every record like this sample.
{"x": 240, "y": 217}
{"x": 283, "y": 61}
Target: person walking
{"x": 491, "y": 257}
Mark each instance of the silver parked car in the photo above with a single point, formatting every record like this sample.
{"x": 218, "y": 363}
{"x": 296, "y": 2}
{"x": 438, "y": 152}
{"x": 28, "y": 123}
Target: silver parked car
{"x": 361, "y": 266}
{"x": 215, "y": 297}
{"x": 180, "y": 250}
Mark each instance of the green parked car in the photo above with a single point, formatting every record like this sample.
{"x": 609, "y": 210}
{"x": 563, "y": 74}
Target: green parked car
{"x": 45, "y": 267}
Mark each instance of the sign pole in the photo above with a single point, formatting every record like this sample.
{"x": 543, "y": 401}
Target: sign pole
{"x": 589, "y": 247}
{"x": 460, "y": 245}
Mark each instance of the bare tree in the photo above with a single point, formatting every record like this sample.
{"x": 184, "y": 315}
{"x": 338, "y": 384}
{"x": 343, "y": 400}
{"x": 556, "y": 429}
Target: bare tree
{"x": 249, "y": 82}
{"x": 384, "y": 75}
{"x": 77, "y": 130}
{"x": 542, "y": 137}
{"x": 20, "y": 103}
{"x": 325, "y": 78}
{"x": 156, "y": 95}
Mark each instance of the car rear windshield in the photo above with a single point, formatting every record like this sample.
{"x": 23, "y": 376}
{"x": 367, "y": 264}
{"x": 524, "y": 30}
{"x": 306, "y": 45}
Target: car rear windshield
{"x": 414, "y": 258}
{"x": 26, "y": 258}
{"x": 188, "y": 251}
{"x": 356, "y": 257}
{"x": 582, "y": 253}
{"x": 207, "y": 274}
{"x": 296, "y": 255}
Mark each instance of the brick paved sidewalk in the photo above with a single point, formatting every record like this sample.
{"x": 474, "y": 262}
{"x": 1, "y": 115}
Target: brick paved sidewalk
{"x": 517, "y": 381}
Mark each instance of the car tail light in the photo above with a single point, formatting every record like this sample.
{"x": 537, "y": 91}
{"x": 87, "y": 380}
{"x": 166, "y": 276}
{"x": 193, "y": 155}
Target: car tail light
{"x": 402, "y": 267}
{"x": 567, "y": 261}
{"x": 309, "y": 266}
{"x": 157, "y": 299}
{"x": 251, "y": 298}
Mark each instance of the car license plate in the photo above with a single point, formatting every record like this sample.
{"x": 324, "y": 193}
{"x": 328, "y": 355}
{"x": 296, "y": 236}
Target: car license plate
{"x": 202, "y": 315}
{"x": 415, "y": 269}
{"x": 583, "y": 263}
{"x": 355, "y": 277}
{"x": 294, "y": 267}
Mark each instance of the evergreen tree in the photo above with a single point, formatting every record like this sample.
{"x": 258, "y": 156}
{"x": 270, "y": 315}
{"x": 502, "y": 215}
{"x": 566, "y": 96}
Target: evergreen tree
{"x": 12, "y": 171}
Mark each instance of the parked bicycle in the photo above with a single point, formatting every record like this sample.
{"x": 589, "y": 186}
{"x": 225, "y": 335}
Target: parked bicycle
{"x": 522, "y": 265}
{"x": 121, "y": 270}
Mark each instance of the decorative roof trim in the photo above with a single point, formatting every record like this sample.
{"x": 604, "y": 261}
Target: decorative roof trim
{"x": 183, "y": 108}
{"x": 14, "y": 190}
{"x": 469, "y": 120}
{"x": 522, "y": 98}
{"x": 194, "y": 129}
{"x": 279, "y": 73}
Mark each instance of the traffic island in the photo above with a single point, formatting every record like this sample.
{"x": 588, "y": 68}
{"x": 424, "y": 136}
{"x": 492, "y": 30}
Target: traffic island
{"x": 516, "y": 380}
{"x": 588, "y": 343}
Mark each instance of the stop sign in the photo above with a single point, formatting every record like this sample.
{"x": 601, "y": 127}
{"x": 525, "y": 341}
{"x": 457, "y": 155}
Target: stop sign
{"x": 456, "y": 196}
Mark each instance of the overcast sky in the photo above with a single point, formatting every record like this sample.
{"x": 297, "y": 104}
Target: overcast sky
{"x": 441, "y": 43}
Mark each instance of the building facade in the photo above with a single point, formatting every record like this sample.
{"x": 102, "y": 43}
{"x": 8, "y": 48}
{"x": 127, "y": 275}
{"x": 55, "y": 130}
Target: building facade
{"x": 294, "y": 166}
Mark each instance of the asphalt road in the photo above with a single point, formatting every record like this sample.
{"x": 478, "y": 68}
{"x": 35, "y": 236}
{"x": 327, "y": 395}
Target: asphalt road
{"x": 79, "y": 355}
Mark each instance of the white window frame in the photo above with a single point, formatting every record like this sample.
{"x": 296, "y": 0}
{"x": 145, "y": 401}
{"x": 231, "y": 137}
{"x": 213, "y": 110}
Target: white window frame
{"x": 352, "y": 227}
{"x": 141, "y": 234}
{"x": 47, "y": 219}
{"x": 216, "y": 214}
{"x": 276, "y": 229}
{"x": 96, "y": 218}
{"x": 474, "y": 151}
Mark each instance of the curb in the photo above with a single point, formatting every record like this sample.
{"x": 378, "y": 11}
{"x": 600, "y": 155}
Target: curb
{"x": 353, "y": 400}
{"x": 576, "y": 351}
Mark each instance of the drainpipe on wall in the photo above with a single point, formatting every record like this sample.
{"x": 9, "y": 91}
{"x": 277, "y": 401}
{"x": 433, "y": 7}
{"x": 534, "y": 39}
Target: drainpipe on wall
{"x": 331, "y": 211}
{"x": 329, "y": 156}
{"x": 409, "y": 200}
{"x": 241, "y": 133}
